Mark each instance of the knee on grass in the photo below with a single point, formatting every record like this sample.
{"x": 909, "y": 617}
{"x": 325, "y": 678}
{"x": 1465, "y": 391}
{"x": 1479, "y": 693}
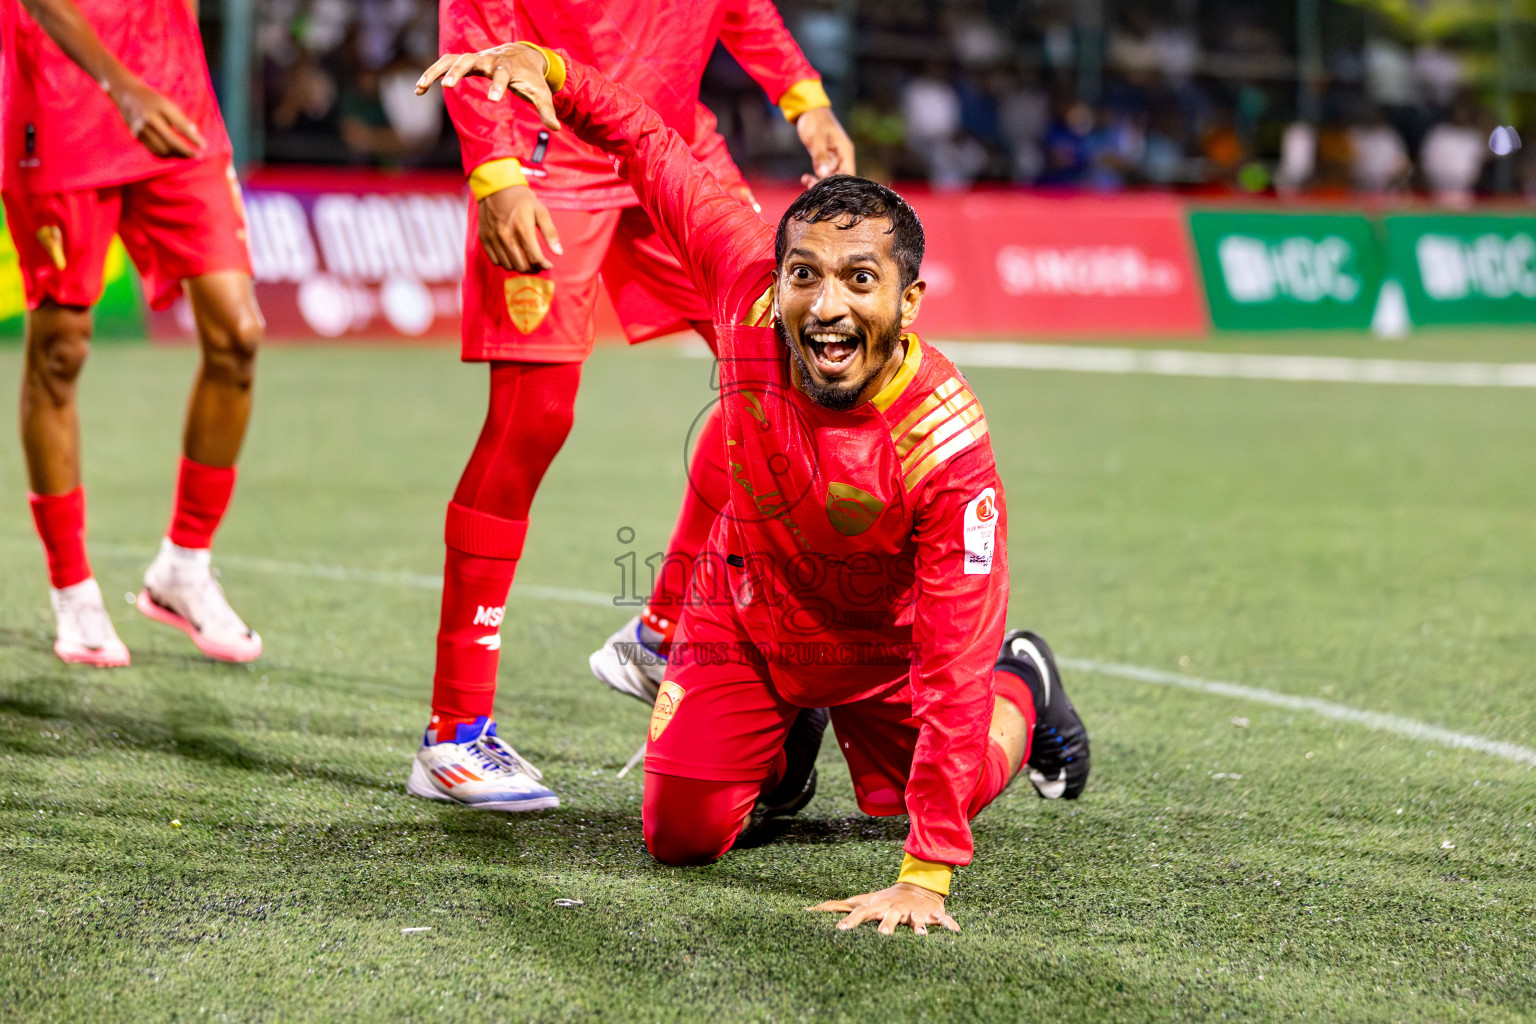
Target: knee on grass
{"x": 692, "y": 822}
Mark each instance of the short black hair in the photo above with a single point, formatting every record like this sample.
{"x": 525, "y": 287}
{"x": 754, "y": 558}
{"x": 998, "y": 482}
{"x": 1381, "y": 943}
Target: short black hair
{"x": 843, "y": 195}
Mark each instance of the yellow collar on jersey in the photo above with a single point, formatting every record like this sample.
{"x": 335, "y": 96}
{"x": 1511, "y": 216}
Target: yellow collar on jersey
{"x": 904, "y": 374}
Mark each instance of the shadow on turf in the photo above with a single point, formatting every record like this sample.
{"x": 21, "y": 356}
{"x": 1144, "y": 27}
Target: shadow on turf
{"x": 188, "y": 722}
{"x": 820, "y": 831}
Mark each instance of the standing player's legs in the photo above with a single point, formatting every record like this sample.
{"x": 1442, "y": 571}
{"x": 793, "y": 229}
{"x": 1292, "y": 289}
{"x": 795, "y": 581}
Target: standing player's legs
{"x": 186, "y": 233}
{"x": 61, "y": 241}
{"x": 534, "y": 329}
{"x": 655, "y": 296}
{"x": 57, "y": 341}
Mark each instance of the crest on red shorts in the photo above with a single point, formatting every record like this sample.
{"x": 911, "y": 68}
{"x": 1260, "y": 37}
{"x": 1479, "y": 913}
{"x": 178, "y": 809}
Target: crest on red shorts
{"x": 850, "y": 510}
{"x": 667, "y": 700}
{"x": 528, "y": 300}
{"x": 51, "y": 238}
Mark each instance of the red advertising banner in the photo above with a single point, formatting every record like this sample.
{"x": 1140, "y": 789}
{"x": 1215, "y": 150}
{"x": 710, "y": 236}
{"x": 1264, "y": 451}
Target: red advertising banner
{"x": 351, "y": 254}
{"x": 1016, "y": 264}
{"x": 371, "y": 255}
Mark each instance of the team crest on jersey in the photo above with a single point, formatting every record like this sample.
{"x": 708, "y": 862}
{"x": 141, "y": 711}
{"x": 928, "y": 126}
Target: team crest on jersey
{"x": 528, "y": 300}
{"x": 667, "y": 700}
{"x": 850, "y": 510}
{"x": 980, "y": 532}
{"x": 51, "y": 238}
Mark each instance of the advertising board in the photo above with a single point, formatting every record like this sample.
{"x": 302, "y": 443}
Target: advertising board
{"x": 1011, "y": 264}
{"x": 1465, "y": 268}
{"x": 1283, "y": 271}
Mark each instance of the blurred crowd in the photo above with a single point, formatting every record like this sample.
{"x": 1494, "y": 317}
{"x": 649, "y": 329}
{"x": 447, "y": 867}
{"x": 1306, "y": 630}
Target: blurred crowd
{"x": 338, "y": 81}
{"x": 1188, "y": 94}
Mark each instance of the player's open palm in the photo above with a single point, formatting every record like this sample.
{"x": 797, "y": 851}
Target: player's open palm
{"x": 513, "y": 66}
{"x": 903, "y": 903}
{"x": 511, "y": 222}
{"x": 156, "y": 122}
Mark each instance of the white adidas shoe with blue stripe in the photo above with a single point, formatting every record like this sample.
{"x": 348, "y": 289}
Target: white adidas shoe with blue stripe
{"x": 475, "y": 769}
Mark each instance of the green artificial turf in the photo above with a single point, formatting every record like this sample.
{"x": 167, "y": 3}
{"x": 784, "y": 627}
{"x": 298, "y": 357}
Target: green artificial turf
{"x": 1368, "y": 545}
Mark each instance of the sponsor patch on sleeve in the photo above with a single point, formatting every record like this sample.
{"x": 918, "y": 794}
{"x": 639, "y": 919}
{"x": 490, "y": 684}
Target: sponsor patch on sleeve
{"x": 980, "y": 530}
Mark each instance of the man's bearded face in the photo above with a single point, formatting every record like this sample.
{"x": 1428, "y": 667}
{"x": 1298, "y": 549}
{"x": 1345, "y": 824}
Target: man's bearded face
{"x": 838, "y": 306}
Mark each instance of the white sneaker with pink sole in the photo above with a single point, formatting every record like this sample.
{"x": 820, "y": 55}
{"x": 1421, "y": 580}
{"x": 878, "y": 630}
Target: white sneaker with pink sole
{"x": 85, "y": 632}
{"x": 180, "y": 590}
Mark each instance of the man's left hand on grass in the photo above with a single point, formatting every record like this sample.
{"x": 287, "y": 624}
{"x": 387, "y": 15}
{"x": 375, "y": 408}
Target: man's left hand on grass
{"x": 903, "y": 903}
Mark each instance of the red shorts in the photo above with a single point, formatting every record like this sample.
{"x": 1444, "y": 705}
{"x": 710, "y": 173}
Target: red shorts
{"x": 550, "y": 317}
{"x": 720, "y": 719}
{"x": 184, "y": 223}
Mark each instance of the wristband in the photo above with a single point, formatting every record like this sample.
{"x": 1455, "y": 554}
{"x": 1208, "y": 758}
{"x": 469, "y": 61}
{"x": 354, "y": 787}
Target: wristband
{"x": 554, "y": 66}
{"x": 494, "y": 175}
{"x": 804, "y": 95}
{"x": 926, "y": 873}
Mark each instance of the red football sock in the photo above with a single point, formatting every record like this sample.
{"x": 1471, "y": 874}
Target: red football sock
{"x": 202, "y": 495}
{"x": 530, "y": 414}
{"x": 704, "y": 498}
{"x": 482, "y": 558}
{"x": 60, "y": 520}
{"x": 997, "y": 769}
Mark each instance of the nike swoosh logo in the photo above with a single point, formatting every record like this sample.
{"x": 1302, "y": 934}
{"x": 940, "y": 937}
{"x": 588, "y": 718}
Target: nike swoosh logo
{"x": 490, "y": 643}
{"x": 1040, "y": 662}
{"x": 1051, "y": 789}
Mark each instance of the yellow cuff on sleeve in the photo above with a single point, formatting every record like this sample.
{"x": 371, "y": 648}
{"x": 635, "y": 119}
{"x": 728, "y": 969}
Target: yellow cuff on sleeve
{"x": 554, "y": 65}
{"x": 926, "y": 873}
{"x": 802, "y": 96}
{"x": 494, "y": 175}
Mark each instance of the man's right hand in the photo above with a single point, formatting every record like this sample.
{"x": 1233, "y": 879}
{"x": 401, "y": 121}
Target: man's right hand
{"x": 511, "y": 221}
{"x": 512, "y": 67}
{"x": 155, "y": 121}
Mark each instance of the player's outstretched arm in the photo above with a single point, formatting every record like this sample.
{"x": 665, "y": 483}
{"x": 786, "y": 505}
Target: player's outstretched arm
{"x": 755, "y": 35}
{"x": 903, "y": 903}
{"x": 726, "y": 248}
{"x": 153, "y": 119}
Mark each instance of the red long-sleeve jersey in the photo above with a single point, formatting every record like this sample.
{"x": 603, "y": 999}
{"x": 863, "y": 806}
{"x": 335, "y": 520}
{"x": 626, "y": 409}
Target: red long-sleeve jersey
{"x": 857, "y": 540}
{"x": 658, "y": 48}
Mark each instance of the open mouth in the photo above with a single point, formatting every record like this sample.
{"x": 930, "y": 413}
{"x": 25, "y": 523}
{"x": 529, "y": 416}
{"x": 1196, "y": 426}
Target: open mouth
{"x": 832, "y": 353}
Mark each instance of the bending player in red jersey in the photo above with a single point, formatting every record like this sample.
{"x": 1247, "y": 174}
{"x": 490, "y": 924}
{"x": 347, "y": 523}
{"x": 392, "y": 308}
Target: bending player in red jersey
{"x": 110, "y": 126}
{"x": 530, "y": 315}
{"x": 862, "y": 561}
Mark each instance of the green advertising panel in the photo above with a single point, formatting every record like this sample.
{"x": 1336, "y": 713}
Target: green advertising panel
{"x": 1465, "y": 268}
{"x": 119, "y": 312}
{"x": 1282, "y": 271}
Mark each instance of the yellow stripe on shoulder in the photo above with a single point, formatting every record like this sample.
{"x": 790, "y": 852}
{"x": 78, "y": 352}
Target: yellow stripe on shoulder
{"x": 761, "y": 313}
{"x": 936, "y": 437}
{"x": 926, "y": 406}
{"x": 961, "y": 403}
{"x": 954, "y": 446}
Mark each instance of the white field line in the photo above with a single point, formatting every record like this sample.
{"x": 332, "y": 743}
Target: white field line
{"x": 1217, "y": 364}
{"x": 384, "y": 577}
{"x": 1183, "y": 363}
{"x": 1375, "y": 720}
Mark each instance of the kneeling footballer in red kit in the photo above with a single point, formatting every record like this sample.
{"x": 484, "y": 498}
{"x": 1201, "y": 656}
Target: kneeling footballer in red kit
{"x": 862, "y": 562}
